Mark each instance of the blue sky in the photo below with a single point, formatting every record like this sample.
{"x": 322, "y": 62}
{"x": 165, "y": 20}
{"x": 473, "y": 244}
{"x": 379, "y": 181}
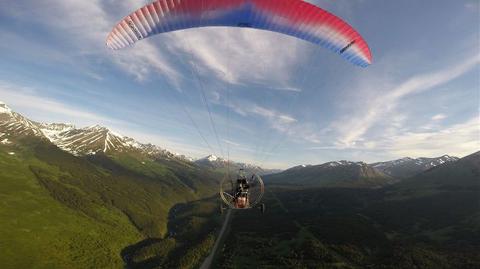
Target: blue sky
{"x": 275, "y": 100}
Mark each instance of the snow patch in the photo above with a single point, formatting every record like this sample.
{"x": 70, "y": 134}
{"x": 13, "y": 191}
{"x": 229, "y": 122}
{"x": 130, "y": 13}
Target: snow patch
{"x": 55, "y": 132}
{"x": 116, "y": 134}
{"x": 212, "y": 158}
{"x": 4, "y": 108}
{"x": 5, "y": 141}
{"x": 11, "y": 153}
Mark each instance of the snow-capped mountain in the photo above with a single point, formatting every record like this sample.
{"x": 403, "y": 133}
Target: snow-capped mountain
{"x": 213, "y": 158}
{"x": 407, "y": 167}
{"x": 78, "y": 141}
{"x": 343, "y": 163}
{"x": 331, "y": 165}
{"x": 332, "y": 174}
{"x": 12, "y": 122}
{"x": 214, "y": 162}
{"x": 95, "y": 139}
{"x": 298, "y": 167}
{"x": 87, "y": 140}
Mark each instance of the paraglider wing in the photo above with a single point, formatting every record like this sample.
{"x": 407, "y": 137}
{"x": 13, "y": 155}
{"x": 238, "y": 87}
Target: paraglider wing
{"x": 291, "y": 17}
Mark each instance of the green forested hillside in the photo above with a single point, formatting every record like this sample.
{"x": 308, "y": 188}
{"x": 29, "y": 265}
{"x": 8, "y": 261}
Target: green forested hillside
{"x": 41, "y": 230}
{"x": 463, "y": 174}
{"x": 355, "y": 228}
{"x": 136, "y": 210}
{"x": 429, "y": 221}
{"x": 192, "y": 228}
{"x": 63, "y": 211}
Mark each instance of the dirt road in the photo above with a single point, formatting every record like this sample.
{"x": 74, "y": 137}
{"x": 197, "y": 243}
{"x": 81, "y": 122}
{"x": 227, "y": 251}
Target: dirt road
{"x": 209, "y": 259}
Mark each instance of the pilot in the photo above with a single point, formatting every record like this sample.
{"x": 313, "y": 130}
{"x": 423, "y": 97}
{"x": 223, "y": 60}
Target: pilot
{"x": 241, "y": 194}
{"x": 241, "y": 202}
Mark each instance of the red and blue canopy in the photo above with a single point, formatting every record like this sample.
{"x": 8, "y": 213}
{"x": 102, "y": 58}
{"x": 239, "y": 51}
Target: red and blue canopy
{"x": 291, "y": 17}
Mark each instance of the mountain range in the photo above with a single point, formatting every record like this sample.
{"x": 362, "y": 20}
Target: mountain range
{"x": 94, "y": 139}
{"x": 430, "y": 220}
{"x": 407, "y": 167}
{"x": 78, "y": 141}
{"x": 462, "y": 174}
{"x": 222, "y": 165}
{"x": 91, "y": 198}
{"x": 331, "y": 174}
{"x": 357, "y": 174}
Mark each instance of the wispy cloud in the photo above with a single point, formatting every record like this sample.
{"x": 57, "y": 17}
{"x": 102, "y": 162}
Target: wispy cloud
{"x": 353, "y": 128}
{"x": 459, "y": 139}
{"x": 439, "y": 117}
{"x": 268, "y": 86}
{"x": 232, "y": 55}
{"x": 80, "y": 28}
{"x": 228, "y": 54}
{"x": 275, "y": 119}
{"x": 30, "y": 100}
{"x": 473, "y": 6}
{"x": 231, "y": 142}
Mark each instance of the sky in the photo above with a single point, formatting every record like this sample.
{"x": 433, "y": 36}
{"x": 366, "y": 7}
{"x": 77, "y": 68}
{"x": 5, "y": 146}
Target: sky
{"x": 274, "y": 100}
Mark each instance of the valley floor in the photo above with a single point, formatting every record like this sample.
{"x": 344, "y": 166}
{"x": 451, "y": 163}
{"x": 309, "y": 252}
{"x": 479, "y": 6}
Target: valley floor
{"x": 351, "y": 228}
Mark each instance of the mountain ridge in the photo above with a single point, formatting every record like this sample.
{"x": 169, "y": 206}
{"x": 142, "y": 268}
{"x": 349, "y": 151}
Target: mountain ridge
{"x": 332, "y": 174}
{"x": 408, "y": 167}
{"x": 461, "y": 174}
{"x": 217, "y": 163}
{"x": 94, "y": 139}
{"x": 77, "y": 141}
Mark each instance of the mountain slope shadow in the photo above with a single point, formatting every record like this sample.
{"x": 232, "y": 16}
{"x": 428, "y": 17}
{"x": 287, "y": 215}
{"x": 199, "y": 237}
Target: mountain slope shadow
{"x": 191, "y": 234}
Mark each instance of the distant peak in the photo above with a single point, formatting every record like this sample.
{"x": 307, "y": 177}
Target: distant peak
{"x": 4, "y": 108}
{"x": 212, "y": 158}
{"x": 58, "y": 126}
{"x": 301, "y": 166}
{"x": 97, "y": 127}
{"x": 117, "y": 134}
